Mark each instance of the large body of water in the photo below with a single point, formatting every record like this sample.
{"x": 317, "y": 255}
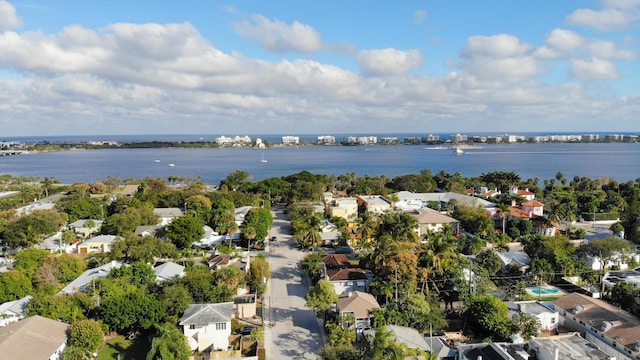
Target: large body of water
{"x": 620, "y": 161}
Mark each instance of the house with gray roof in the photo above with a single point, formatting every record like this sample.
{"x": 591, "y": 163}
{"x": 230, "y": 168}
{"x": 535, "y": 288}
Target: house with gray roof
{"x": 12, "y": 311}
{"x": 85, "y": 227}
{"x": 166, "y": 215}
{"x": 33, "y": 338}
{"x": 168, "y": 271}
{"x": 81, "y": 283}
{"x": 207, "y": 327}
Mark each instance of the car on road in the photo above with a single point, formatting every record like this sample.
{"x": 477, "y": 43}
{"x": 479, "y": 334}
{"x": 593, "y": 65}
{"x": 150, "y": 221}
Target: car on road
{"x": 273, "y": 238}
{"x": 246, "y": 330}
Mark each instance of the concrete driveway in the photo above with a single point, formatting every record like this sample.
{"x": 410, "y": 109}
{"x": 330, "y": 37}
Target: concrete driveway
{"x": 291, "y": 331}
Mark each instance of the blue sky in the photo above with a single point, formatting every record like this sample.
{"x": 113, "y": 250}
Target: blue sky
{"x": 330, "y": 67}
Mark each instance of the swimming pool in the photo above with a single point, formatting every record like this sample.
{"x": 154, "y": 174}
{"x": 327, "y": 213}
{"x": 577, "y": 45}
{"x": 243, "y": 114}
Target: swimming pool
{"x": 545, "y": 291}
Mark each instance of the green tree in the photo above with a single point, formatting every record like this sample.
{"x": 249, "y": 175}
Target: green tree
{"x": 14, "y": 285}
{"x": 314, "y": 265}
{"x": 340, "y": 352}
{"x": 340, "y": 336}
{"x": 86, "y": 335}
{"x": 27, "y": 230}
{"x": 29, "y": 260}
{"x": 321, "y": 296}
{"x": 184, "y": 231}
{"x": 489, "y": 317}
{"x": 259, "y": 272}
{"x": 176, "y": 299}
{"x": 168, "y": 344}
{"x": 133, "y": 310}
{"x": 526, "y": 325}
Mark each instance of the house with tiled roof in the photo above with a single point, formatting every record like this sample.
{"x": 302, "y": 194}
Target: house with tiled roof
{"x": 168, "y": 271}
{"x": 611, "y": 329}
{"x": 533, "y": 207}
{"x": 207, "y": 327}
{"x": 514, "y": 190}
{"x": 336, "y": 261}
{"x": 345, "y": 280}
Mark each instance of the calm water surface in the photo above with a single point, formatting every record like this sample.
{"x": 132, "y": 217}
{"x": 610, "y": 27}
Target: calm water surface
{"x": 543, "y": 161}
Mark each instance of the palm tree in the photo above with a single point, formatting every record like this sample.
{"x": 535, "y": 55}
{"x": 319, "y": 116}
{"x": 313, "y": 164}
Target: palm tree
{"x": 384, "y": 346}
{"x": 311, "y": 238}
{"x": 504, "y": 210}
{"x": 366, "y": 230}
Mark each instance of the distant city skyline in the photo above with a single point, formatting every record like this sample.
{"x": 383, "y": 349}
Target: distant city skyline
{"x": 73, "y": 67}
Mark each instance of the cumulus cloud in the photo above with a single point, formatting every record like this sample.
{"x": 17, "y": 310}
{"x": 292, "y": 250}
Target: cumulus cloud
{"x": 499, "y": 59}
{"x": 496, "y": 46}
{"x": 562, "y": 39}
{"x": 563, "y": 43}
{"x": 8, "y": 18}
{"x": 382, "y": 62}
{"x": 594, "y": 69}
{"x": 608, "y": 19}
{"x": 279, "y": 37}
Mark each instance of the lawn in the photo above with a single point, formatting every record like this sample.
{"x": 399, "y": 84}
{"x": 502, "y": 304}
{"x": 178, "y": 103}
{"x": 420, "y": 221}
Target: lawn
{"x": 127, "y": 349}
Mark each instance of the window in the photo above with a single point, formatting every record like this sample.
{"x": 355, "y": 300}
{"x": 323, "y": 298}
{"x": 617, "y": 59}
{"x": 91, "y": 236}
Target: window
{"x": 553, "y": 320}
{"x": 192, "y": 327}
{"x": 221, "y": 326}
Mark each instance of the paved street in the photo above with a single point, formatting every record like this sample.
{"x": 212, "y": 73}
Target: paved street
{"x": 296, "y": 332}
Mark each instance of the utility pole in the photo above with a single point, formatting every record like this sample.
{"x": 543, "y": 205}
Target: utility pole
{"x": 396, "y": 285}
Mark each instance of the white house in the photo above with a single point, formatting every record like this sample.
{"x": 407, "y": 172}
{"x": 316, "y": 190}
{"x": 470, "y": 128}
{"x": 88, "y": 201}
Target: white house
{"x": 568, "y": 346}
{"x": 12, "y": 311}
{"x": 344, "y": 207}
{"x": 98, "y": 244}
{"x": 166, "y": 215}
{"x": 85, "y": 227}
{"x": 207, "y": 326}
{"x": 546, "y": 317}
{"x": 81, "y": 282}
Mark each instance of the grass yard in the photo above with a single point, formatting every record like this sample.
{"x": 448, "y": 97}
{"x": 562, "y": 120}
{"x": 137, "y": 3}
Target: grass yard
{"x": 127, "y": 349}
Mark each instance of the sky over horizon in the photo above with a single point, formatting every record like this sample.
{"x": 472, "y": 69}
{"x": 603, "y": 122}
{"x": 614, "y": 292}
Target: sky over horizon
{"x": 73, "y": 67}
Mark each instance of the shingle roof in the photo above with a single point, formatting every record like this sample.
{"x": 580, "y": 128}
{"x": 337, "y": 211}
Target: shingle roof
{"x": 16, "y": 306}
{"x": 428, "y": 216}
{"x": 204, "y": 314}
{"x": 357, "y": 302}
{"x": 32, "y": 338}
{"x": 168, "y": 270}
{"x": 80, "y": 283}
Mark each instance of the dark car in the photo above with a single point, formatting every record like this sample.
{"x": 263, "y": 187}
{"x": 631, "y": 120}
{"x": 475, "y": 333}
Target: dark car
{"x": 344, "y": 250}
{"x": 247, "y": 330}
{"x": 273, "y": 238}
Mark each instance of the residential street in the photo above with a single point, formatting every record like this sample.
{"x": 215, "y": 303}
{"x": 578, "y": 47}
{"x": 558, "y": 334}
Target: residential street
{"x": 296, "y": 333}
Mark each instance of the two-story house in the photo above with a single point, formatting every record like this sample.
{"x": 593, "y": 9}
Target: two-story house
{"x": 207, "y": 327}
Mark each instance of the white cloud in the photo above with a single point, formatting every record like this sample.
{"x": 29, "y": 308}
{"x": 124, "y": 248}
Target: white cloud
{"x": 8, "y": 17}
{"x": 499, "y": 59}
{"x": 562, "y": 39}
{"x": 614, "y": 15}
{"x": 383, "y": 62}
{"x": 419, "y": 16}
{"x": 279, "y": 37}
{"x": 496, "y": 46}
{"x": 594, "y": 69}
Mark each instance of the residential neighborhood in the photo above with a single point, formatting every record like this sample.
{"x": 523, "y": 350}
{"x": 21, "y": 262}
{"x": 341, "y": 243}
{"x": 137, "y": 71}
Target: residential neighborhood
{"x": 427, "y": 266}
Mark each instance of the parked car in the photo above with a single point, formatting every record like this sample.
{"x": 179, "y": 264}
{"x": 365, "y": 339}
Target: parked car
{"x": 344, "y": 250}
{"x": 273, "y": 238}
{"x": 247, "y": 330}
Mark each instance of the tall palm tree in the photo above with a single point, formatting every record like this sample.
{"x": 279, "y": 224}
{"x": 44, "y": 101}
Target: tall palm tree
{"x": 384, "y": 346}
{"x": 504, "y": 210}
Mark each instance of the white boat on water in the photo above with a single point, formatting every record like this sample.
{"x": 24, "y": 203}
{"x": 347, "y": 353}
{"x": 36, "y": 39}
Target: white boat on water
{"x": 458, "y": 151}
{"x": 156, "y": 160}
{"x": 171, "y": 165}
{"x": 263, "y": 160}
